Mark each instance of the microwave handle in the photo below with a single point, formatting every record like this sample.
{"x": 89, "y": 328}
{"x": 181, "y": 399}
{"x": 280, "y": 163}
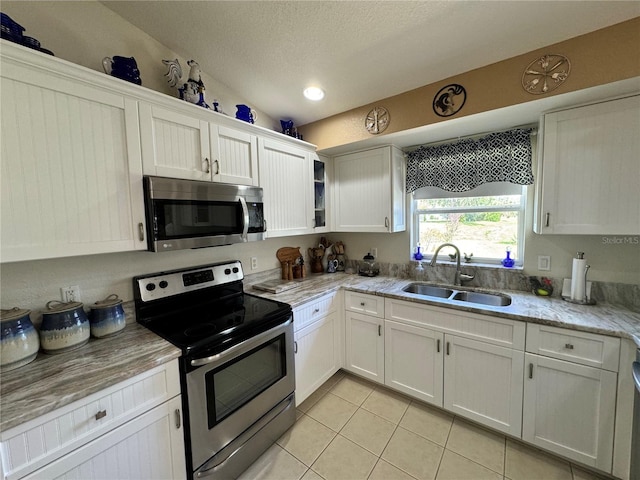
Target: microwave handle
{"x": 245, "y": 218}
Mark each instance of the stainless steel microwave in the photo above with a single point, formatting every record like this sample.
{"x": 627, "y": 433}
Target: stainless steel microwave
{"x": 184, "y": 214}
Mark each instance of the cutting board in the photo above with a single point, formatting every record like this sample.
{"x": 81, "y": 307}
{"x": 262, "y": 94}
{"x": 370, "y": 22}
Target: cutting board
{"x": 288, "y": 254}
{"x": 276, "y": 286}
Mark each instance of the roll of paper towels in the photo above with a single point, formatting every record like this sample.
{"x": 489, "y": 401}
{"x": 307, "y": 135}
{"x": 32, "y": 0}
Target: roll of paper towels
{"x": 578, "y": 279}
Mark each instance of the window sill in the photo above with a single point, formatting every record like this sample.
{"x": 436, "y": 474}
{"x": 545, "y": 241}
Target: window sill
{"x": 487, "y": 266}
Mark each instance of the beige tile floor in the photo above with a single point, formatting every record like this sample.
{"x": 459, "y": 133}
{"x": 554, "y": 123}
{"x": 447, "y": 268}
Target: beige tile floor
{"x": 353, "y": 429}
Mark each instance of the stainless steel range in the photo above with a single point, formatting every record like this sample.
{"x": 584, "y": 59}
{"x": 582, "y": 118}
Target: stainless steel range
{"x": 237, "y": 363}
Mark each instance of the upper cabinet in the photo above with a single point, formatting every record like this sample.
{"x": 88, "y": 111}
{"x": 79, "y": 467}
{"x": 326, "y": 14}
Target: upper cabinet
{"x": 588, "y": 171}
{"x": 369, "y": 191}
{"x": 71, "y": 166}
{"x": 180, "y": 145}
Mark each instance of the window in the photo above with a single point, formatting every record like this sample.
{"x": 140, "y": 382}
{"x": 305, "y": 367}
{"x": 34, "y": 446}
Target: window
{"x": 482, "y": 223}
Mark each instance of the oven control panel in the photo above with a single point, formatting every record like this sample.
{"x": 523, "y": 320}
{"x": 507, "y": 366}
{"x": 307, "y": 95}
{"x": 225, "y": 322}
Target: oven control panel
{"x": 166, "y": 284}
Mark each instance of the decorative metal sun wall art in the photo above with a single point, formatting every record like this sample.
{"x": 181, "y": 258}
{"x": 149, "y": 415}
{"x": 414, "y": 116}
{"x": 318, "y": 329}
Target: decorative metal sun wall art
{"x": 377, "y": 120}
{"x": 545, "y": 74}
{"x": 449, "y": 100}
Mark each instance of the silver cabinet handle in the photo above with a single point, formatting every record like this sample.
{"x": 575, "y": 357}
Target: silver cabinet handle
{"x": 448, "y": 348}
{"x": 568, "y": 346}
{"x": 207, "y": 166}
{"x": 316, "y": 310}
{"x": 531, "y": 370}
{"x": 362, "y": 304}
{"x": 141, "y": 231}
{"x": 438, "y": 345}
{"x": 101, "y": 414}
{"x": 217, "y": 166}
{"x": 379, "y": 330}
{"x": 295, "y": 347}
{"x": 177, "y": 414}
{"x": 547, "y": 221}
{"x": 386, "y": 222}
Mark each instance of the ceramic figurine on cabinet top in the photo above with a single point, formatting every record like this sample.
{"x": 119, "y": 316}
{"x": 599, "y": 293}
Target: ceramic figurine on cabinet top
{"x": 192, "y": 89}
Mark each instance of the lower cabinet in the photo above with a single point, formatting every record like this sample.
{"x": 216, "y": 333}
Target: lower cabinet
{"x": 569, "y": 406}
{"x": 131, "y": 430}
{"x": 364, "y": 339}
{"x": 318, "y": 343}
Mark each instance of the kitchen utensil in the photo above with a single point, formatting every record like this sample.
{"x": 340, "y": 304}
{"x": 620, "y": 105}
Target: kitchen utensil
{"x": 106, "y": 317}
{"x": 316, "y": 255}
{"x": 65, "y": 326}
{"x": 19, "y": 343}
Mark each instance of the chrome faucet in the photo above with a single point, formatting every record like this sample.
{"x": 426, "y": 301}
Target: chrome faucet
{"x": 459, "y": 277}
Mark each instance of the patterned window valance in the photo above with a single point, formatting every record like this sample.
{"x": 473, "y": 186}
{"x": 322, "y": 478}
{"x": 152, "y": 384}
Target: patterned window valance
{"x": 464, "y": 165}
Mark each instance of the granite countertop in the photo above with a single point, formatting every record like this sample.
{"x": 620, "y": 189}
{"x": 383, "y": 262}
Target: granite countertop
{"x": 53, "y": 381}
{"x": 602, "y": 318}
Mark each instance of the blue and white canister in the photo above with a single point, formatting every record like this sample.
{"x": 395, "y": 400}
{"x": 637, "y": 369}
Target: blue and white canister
{"x": 19, "y": 343}
{"x": 107, "y": 317}
{"x": 65, "y": 326}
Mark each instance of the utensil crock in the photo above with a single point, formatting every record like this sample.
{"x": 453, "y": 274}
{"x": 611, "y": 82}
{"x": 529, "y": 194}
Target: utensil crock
{"x": 65, "y": 326}
{"x": 19, "y": 343}
{"x": 107, "y": 317}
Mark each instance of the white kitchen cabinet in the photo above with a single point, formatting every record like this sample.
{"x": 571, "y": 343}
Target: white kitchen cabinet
{"x": 134, "y": 427}
{"x": 364, "y": 345}
{"x": 483, "y": 382}
{"x": 185, "y": 145}
{"x": 71, "y": 169}
{"x": 369, "y": 191}
{"x": 414, "y": 361}
{"x": 286, "y": 177}
{"x": 321, "y": 195}
{"x": 569, "y": 406}
{"x": 318, "y": 343}
{"x": 588, "y": 170}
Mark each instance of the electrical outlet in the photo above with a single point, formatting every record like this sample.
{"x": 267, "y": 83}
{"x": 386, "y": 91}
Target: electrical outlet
{"x": 70, "y": 294}
{"x": 254, "y": 263}
{"x": 374, "y": 252}
{"x": 544, "y": 262}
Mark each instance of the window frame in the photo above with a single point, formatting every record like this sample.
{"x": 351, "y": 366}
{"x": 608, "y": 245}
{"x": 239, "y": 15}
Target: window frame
{"x": 521, "y": 209}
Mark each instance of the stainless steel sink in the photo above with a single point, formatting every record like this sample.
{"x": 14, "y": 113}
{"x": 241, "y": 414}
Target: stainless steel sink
{"x": 428, "y": 290}
{"x": 493, "y": 299}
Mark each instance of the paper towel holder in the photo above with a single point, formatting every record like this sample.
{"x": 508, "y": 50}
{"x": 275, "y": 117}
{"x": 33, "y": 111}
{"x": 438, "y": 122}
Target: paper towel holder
{"x": 586, "y": 300}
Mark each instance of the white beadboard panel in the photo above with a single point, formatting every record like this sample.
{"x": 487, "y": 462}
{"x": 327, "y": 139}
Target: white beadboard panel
{"x": 65, "y": 173}
{"x": 494, "y": 330}
{"x": 483, "y": 382}
{"x": 38, "y": 442}
{"x": 145, "y": 448}
{"x": 414, "y": 361}
{"x": 568, "y": 408}
{"x": 287, "y": 182}
{"x": 586, "y": 348}
{"x": 235, "y": 156}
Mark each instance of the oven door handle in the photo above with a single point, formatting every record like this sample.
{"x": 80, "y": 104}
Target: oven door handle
{"x": 245, "y": 218}
{"x": 198, "y": 362}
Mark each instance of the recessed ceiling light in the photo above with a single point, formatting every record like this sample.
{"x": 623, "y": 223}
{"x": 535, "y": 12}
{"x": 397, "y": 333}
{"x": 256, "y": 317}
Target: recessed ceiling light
{"x": 313, "y": 93}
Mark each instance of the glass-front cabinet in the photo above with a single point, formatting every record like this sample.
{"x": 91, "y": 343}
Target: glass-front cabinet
{"x": 320, "y": 192}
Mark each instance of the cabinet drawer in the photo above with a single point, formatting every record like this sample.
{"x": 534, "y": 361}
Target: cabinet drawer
{"x": 364, "y": 303}
{"x": 584, "y": 348}
{"x": 42, "y": 440}
{"x": 315, "y": 310}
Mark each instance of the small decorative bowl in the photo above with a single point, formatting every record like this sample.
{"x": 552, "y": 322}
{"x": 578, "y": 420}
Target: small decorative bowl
{"x": 107, "y": 317}
{"x": 19, "y": 343}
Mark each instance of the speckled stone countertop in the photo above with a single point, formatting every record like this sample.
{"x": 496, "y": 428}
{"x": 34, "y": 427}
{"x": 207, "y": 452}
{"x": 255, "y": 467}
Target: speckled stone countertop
{"x": 53, "y": 381}
{"x": 601, "y": 318}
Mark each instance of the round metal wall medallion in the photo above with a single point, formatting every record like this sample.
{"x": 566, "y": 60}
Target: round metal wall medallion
{"x": 449, "y": 100}
{"x": 545, "y": 74}
{"x": 377, "y": 120}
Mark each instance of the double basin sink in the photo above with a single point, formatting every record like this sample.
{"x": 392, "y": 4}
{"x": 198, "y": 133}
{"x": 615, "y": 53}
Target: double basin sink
{"x": 469, "y": 296}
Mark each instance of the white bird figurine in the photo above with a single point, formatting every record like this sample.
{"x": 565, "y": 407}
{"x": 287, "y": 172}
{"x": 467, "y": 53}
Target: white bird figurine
{"x": 191, "y": 89}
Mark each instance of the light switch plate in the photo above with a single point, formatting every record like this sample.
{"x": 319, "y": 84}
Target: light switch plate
{"x": 544, "y": 262}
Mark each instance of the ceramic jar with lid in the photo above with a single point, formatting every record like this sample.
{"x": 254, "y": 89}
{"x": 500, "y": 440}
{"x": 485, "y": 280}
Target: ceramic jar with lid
{"x": 19, "y": 343}
{"x": 65, "y": 326}
{"x": 107, "y": 317}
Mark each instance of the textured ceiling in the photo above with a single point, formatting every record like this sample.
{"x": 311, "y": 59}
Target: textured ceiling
{"x": 357, "y": 51}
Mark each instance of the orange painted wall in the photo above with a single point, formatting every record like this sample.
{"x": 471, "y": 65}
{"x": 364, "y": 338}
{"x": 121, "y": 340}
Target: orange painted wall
{"x": 597, "y": 58}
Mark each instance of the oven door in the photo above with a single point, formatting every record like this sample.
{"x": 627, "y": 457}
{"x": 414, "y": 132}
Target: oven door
{"x": 231, "y": 391}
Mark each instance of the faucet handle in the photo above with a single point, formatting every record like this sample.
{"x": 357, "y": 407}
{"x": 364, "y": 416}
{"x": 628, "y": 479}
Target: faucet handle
{"x": 464, "y": 277}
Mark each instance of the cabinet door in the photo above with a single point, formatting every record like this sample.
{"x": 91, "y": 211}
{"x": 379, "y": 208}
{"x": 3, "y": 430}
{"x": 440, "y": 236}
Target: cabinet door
{"x": 174, "y": 145}
{"x": 414, "y": 361}
{"x": 321, "y": 218}
{"x": 71, "y": 176}
{"x": 235, "y": 156}
{"x": 286, "y": 174}
{"x": 149, "y": 447}
{"x": 590, "y": 173}
{"x": 483, "y": 382}
{"x": 364, "y": 346}
{"x": 569, "y": 409}
{"x": 317, "y": 350}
